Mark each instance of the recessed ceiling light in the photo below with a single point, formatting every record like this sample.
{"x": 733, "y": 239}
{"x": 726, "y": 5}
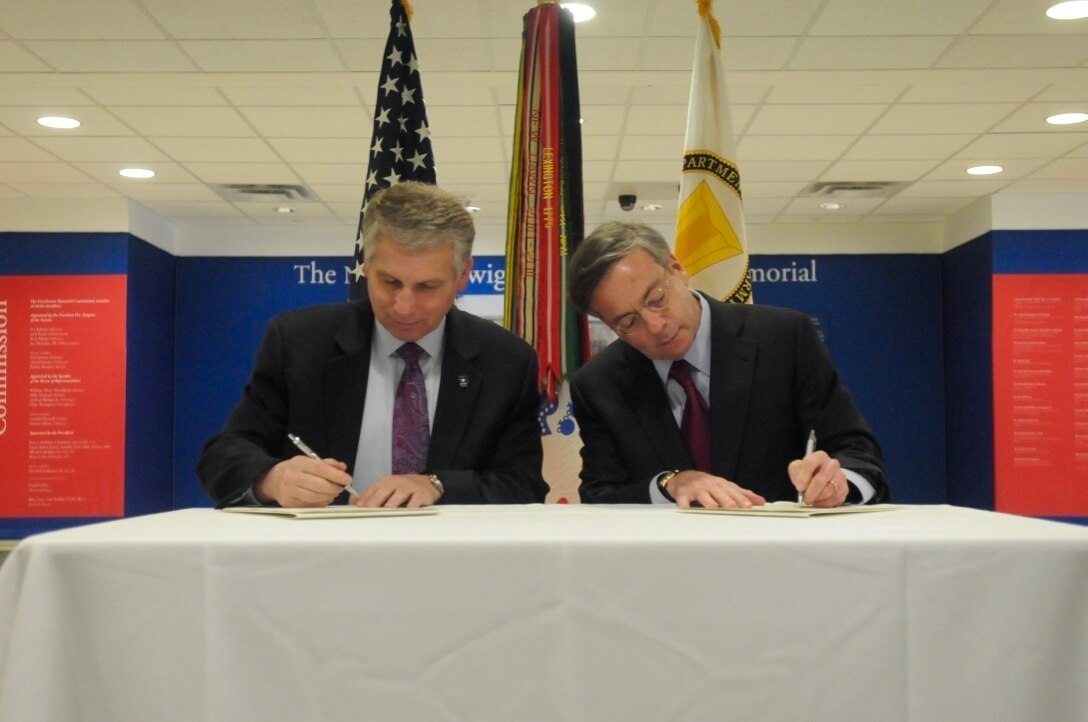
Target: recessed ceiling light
{"x": 985, "y": 169}
{"x": 1067, "y": 118}
{"x": 832, "y": 206}
{"x": 284, "y": 209}
{"x": 652, "y": 207}
{"x": 138, "y": 173}
{"x": 580, "y": 11}
{"x": 1073, "y": 10}
{"x": 56, "y": 121}
{"x": 472, "y": 209}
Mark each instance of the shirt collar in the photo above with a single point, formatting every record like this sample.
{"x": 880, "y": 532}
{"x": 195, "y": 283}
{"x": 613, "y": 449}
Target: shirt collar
{"x": 698, "y": 354}
{"x": 386, "y": 344}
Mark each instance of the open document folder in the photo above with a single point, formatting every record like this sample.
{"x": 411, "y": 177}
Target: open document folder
{"x": 339, "y": 511}
{"x": 792, "y": 508}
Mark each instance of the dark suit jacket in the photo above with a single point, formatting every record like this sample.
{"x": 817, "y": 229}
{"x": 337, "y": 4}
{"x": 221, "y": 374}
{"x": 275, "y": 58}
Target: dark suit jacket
{"x": 310, "y": 379}
{"x": 772, "y": 381}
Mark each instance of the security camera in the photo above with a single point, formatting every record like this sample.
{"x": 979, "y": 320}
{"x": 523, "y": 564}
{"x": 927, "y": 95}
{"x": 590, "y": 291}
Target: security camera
{"x": 628, "y": 201}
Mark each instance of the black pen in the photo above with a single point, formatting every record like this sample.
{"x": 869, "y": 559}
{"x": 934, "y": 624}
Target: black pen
{"x": 810, "y": 446}
{"x": 310, "y": 453}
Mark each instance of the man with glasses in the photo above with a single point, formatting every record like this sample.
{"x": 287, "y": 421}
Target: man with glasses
{"x": 707, "y": 403}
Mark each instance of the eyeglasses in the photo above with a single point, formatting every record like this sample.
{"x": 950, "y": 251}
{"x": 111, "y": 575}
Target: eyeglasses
{"x": 657, "y": 300}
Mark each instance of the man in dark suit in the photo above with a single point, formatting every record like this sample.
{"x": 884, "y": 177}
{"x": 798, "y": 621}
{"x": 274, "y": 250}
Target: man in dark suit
{"x": 415, "y": 400}
{"x": 728, "y": 426}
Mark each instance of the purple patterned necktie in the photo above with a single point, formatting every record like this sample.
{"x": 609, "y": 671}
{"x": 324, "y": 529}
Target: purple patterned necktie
{"x": 695, "y": 422}
{"x": 411, "y": 432}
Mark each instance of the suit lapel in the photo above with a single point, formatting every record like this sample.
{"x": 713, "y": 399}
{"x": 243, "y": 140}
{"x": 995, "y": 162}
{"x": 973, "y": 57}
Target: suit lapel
{"x": 643, "y": 390}
{"x": 344, "y": 380}
{"x": 461, "y": 382}
{"x": 733, "y": 363}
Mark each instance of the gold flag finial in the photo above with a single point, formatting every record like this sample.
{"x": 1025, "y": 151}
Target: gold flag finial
{"x": 715, "y": 29}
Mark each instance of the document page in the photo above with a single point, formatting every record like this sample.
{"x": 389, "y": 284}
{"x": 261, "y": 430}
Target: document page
{"x": 792, "y": 508}
{"x": 340, "y": 511}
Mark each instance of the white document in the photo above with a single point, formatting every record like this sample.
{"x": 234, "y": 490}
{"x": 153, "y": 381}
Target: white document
{"x": 792, "y": 508}
{"x": 339, "y": 511}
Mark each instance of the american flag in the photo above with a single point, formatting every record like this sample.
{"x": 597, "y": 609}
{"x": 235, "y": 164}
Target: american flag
{"x": 400, "y": 147}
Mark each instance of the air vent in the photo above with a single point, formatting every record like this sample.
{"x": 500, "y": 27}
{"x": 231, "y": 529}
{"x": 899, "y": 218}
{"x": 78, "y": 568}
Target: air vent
{"x": 263, "y": 192}
{"x": 853, "y": 189}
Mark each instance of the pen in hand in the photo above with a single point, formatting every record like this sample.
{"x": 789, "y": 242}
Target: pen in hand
{"x": 310, "y": 453}
{"x": 810, "y": 446}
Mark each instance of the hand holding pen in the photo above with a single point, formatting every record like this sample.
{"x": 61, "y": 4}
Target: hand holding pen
{"x": 305, "y": 480}
{"x": 310, "y": 453}
{"x": 818, "y": 477}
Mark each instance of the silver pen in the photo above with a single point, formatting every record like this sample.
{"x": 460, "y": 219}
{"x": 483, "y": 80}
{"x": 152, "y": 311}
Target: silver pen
{"x": 310, "y": 453}
{"x": 810, "y": 446}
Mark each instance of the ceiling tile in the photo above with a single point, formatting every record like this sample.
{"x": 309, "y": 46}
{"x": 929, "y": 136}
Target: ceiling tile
{"x": 607, "y": 54}
{"x": 774, "y": 171}
{"x": 224, "y": 150}
{"x": 472, "y": 173}
{"x": 87, "y": 148}
{"x": 109, "y": 172}
{"x": 737, "y": 18}
{"x": 857, "y": 53}
{"x": 236, "y": 20}
{"x": 112, "y": 56}
{"x": 322, "y": 150}
{"x": 970, "y": 93}
{"x": 71, "y": 190}
{"x": 753, "y": 53}
{"x": 967, "y": 188}
{"x": 296, "y": 122}
{"x": 63, "y": 19}
{"x": 151, "y": 94}
{"x": 462, "y": 121}
{"x": 921, "y": 17}
{"x": 59, "y": 173}
{"x": 185, "y": 122}
{"x": 821, "y": 93}
{"x": 792, "y": 147}
{"x": 1017, "y": 17}
{"x": 1032, "y": 118}
{"x": 644, "y": 147}
{"x": 40, "y": 97}
{"x": 1021, "y": 145}
{"x": 1014, "y": 168}
{"x": 265, "y": 56}
{"x": 16, "y": 59}
{"x": 814, "y": 119}
{"x": 907, "y": 147}
{"x": 165, "y": 191}
{"x": 244, "y": 172}
{"x": 1063, "y": 168}
{"x": 1016, "y": 52}
{"x": 878, "y": 170}
{"x": 18, "y": 150}
{"x": 303, "y": 95}
{"x": 925, "y": 118}
{"x": 644, "y": 120}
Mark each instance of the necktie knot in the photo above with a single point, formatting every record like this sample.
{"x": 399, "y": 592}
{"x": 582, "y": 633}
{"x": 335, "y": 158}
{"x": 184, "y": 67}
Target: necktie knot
{"x": 410, "y": 352}
{"x": 680, "y": 371}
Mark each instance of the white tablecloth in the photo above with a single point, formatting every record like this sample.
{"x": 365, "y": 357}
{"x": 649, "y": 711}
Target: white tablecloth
{"x": 549, "y": 613}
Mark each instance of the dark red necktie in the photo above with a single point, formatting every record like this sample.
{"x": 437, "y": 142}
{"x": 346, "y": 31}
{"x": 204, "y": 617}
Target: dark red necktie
{"x": 695, "y": 422}
{"x": 411, "y": 432}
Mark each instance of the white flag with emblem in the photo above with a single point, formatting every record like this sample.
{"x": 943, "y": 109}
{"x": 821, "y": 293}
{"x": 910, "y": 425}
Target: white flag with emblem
{"x": 710, "y": 236}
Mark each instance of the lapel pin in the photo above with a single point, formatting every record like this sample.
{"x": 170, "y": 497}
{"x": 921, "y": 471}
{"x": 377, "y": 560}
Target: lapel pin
{"x": 462, "y": 381}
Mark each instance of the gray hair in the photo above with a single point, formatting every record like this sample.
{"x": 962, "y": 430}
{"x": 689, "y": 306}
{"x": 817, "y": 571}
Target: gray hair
{"x": 602, "y": 249}
{"x": 419, "y": 217}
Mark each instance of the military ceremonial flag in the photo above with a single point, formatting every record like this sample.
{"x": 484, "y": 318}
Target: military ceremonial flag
{"x": 400, "y": 146}
{"x": 710, "y": 235}
{"x": 545, "y": 220}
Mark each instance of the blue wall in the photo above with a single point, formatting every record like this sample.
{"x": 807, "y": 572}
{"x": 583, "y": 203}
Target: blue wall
{"x": 909, "y": 333}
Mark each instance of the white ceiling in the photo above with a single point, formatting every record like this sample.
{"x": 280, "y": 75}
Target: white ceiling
{"x": 281, "y": 91}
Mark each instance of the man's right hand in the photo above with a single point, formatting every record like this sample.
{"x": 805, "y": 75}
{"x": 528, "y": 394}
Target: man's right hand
{"x": 697, "y": 487}
{"x": 302, "y": 481}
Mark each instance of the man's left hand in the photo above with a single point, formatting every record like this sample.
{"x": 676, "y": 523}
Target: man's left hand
{"x": 820, "y": 478}
{"x": 408, "y": 490}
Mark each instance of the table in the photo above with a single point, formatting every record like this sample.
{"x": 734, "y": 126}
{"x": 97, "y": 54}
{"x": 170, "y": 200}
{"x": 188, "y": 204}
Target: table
{"x": 549, "y": 612}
